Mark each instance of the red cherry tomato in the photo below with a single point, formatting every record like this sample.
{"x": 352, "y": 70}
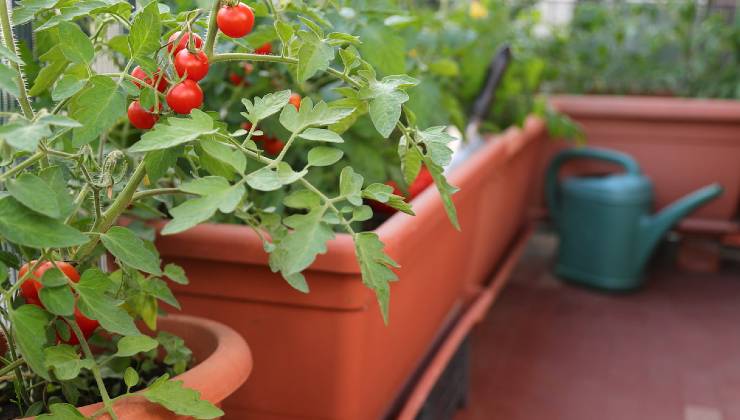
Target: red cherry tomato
{"x": 295, "y": 99}
{"x": 140, "y": 74}
{"x": 235, "y": 79}
{"x": 140, "y": 117}
{"x": 264, "y": 49}
{"x": 87, "y": 326}
{"x": 172, "y": 48}
{"x": 272, "y": 145}
{"x": 235, "y": 21}
{"x": 31, "y": 286}
{"x": 248, "y": 68}
{"x": 185, "y": 96}
{"x": 193, "y": 66}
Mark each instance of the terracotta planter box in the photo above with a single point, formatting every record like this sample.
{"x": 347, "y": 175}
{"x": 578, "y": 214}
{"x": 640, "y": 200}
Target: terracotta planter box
{"x": 327, "y": 354}
{"x": 224, "y": 363}
{"x": 682, "y": 144}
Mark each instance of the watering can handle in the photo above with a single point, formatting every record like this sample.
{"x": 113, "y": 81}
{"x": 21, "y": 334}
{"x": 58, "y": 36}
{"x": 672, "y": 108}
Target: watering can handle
{"x": 551, "y": 178}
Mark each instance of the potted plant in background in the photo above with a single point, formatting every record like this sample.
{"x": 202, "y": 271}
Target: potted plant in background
{"x": 657, "y": 56}
{"x": 327, "y": 353}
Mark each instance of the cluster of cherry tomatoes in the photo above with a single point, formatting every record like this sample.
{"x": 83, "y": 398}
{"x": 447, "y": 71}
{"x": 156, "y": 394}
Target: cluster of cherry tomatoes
{"x": 31, "y": 287}
{"x": 191, "y": 65}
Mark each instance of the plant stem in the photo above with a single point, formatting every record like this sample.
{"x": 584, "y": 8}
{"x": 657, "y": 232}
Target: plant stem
{"x": 116, "y": 208}
{"x": 23, "y": 165}
{"x": 7, "y": 29}
{"x": 156, "y": 191}
{"x": 95, "y": 368}
{"x": 212, "y": 29}
{"x": 252, "y": 57}
{"x": 11, "y": 366}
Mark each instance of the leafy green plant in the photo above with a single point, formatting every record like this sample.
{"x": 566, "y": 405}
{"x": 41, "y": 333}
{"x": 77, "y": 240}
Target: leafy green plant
{"x": 676, "y": 48}
{"x": 73, "y": 165}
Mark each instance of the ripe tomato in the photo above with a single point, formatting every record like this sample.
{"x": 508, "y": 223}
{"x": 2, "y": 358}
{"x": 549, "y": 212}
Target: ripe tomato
{"x": 87, "y": 326}
{"x": 172, "y": 48}
{"x": 235, "y": 79}
{"x": 272, "y": 145}
{"x": 422, "y": 181}
{"x": 140, "y": 117}
{"x": 31, "y": 286}
{"x": 140, "y": 74}
{"x": 264, "y": 49}
{"x": 248, "y": 68}
{"x": 295, "y": 99}
{"x": 184, "y": 97}
{"x": 193, "y": 66}
{"x": 235, "y": 21}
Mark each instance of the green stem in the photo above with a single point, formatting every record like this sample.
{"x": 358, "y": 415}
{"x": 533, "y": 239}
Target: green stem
{"x": 116, "y": 208}
{"x": 156, "y": 191}
{"x": 107, "y": 403}
{"x": 212, "y": 29}
{"x": 23, "y": 165}
{"x": 329, "y": 202}
{"x": 252, "y": 57}
{"x": 11, "y": 366}
{"x": 282, "y": 153}
{"x": 7, "y": 29}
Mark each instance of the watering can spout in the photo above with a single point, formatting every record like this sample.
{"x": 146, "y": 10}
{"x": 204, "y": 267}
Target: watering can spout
{"x": 654, "y": 227}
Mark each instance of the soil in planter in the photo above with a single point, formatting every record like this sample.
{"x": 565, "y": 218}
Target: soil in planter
{"x": 81, "y": 391}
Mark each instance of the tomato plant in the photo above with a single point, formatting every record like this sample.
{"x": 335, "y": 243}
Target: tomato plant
{"x": 73, "y": 164}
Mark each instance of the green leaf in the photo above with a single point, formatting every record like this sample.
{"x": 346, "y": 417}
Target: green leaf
{"x": 177, "y": 131}
{"x": 23, "y": 135}
{"x": 321, "y": 134}
{"x": 62, "y": 412}
{"x": 29, "y": 330}
{"x": 324, "y": 156}
{"x": 133, "y": 344}
{"x": 302, "y": 199}
{"x": 216, "y": 193}
{"x": 386, "y": 98}
{"x": 311, "y": 116}
{"x": 96, "y": 304}
{"x": 265, "y": 106}
{"x": 157, "y": 162}
{"x": 220, "y": 151}
{"x": 436, "y": 140}
{"x": 350, "y": 185}
{"x": 75, "y": 45}
{"x": 130, "y": 377}
{"x": 58, "y": 300}
{"x": 54, "y": 177}
{"x": 445, "y": 190}
{"x": 183, "y": 401}
{"x": 64, "y": 361}
{"x": 67, "y": 86}
{"x": 97, "y": 107}
{"x": 314, "y": 55}
{"x": 47, "y": 76}
{"x": 143, "y": 38}
{"x": 175, "y": 273}
{"x": 264, "y": 179}
{"x": 158, "y": 288}
{"x": 9, "y": 80}
{"x": 22, "y": 226}
{"x": 54, "y": 277}
{"x": 34, "y": 193}
{"x": 130, "y": 250}
{"x": 375, "y": 266}
{"x": 298, "y": 250}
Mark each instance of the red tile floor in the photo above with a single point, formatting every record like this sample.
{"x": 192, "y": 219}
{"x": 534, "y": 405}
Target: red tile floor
{"x": 549, "y": 350}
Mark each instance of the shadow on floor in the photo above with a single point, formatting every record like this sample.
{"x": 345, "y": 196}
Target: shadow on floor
{"x": 549, "y": 350}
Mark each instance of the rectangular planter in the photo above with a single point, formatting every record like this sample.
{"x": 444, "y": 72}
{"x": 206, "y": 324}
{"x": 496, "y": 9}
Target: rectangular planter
{"x": 681, "y": 144}
{"x": 327, "y": 354}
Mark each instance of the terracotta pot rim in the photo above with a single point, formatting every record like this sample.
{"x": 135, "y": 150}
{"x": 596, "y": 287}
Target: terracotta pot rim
{"x": 340, "y": 255}
{"x": 214, "y": 379}
{"x": 648, "y": 108}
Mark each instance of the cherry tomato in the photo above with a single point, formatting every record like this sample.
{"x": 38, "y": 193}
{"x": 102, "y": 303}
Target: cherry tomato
{"x": 172, "y": 48}
{"x": 140, "y": 117}
{"x": 193, "y": 66}
{"x": 264, "y": 49}
{"x": 272, "y": 145}
{"x": 248, "y": 68}
{"x": 295, "y": 99}
{"x": 185, "y": 96}
{"x": 140, "y": 74}
{"x": 235, "y": 79}
{"x": 235, "y": 21}
{"x": 87, "y": 326}
{"x": 31, "y": 286}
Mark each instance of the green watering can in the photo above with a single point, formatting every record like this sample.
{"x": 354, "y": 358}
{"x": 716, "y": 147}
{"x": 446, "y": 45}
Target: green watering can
{"x": 607, "y": 233}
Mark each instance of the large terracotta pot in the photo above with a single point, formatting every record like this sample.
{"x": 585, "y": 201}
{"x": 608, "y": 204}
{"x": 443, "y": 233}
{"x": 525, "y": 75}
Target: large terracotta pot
{"x": 682, "y": 144}
{"x": 224, "y": 363}
{"x": 327, "y": 354}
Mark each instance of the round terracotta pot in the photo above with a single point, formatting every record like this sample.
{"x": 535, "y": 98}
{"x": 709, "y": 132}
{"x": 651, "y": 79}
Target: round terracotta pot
{"x": 224, "y": 363}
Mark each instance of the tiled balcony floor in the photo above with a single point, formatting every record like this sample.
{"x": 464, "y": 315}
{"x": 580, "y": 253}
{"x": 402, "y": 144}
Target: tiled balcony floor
{"x": 552, "y": 351}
